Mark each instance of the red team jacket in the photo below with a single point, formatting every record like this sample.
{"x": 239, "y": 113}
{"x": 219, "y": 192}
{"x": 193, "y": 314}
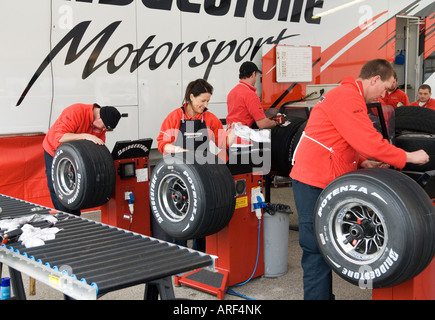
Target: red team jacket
{"x": 169, "y": 129}
{"x": 341, "y": 124}
{"x": 393, "y": 98}
{"x": 430, "y": 104}
{"x": 77, "y": 118}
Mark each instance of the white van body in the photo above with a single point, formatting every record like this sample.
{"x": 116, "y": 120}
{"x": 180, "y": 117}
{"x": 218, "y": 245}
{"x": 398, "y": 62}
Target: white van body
{"x": 139, "y": 55}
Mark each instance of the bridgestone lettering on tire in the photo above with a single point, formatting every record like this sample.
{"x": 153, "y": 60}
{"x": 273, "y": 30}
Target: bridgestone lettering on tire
{"x": 191, "y": 200}
{"x": 374, "y": 227}
{"x": 83, "y": 174}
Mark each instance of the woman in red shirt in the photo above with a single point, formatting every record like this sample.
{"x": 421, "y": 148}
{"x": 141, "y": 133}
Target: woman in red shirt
{"x": 192, "y": 125}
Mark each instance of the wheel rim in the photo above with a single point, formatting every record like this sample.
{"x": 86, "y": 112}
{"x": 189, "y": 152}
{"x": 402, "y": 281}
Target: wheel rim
{"x": 174, "y": 197}
{"x": 66, "y": 177}
{"x": 358, "y": 231}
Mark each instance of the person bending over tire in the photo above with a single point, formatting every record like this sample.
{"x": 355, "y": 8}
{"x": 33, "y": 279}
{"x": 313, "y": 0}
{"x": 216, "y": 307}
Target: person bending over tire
{"x": 339, "y": 137}
{"x": 77, "y": 122}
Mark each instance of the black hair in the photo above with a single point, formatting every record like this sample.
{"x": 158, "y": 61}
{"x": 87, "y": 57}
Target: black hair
{"x": 197, "y": 87}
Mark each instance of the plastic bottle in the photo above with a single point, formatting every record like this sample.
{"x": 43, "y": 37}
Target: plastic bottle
{"x": 5, "y": 288}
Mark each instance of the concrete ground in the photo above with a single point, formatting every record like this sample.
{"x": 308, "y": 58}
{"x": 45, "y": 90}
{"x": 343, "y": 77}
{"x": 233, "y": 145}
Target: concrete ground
{"x": 285, "y": 287}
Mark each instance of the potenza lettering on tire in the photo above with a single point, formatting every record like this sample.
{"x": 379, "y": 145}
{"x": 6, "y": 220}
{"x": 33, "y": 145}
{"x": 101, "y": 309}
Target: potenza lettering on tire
{"x": 378, "y": 221}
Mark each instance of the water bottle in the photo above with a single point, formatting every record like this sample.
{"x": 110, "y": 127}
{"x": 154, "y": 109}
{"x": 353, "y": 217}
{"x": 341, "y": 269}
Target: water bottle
{"x": 5, "y": 288}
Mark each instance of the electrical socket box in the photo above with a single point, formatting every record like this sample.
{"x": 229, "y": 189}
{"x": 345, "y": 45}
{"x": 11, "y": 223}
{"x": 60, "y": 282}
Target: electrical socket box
{"x": 315, "y": 91}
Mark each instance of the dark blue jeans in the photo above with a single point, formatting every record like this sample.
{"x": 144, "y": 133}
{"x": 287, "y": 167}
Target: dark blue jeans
{"x": 317, "y": 277}
{"x": 56, "y": 203}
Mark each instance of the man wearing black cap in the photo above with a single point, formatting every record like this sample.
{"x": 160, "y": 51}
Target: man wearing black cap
{"x": 244, "y": 105}
{"x": 77, "y": 122}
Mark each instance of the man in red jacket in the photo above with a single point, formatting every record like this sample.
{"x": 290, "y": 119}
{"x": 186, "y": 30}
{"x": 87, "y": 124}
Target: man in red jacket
{"x": 77, "y": 122}
{"x": 394, "y": 96}
{"x": 339, "y": 137}
{"x": 424, "y": 98}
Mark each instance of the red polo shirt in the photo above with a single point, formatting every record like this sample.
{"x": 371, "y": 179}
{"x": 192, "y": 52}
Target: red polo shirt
{"x": 340, "y": 123}
{"x": 77, "y": 118}
{"x": 244, "y": 105}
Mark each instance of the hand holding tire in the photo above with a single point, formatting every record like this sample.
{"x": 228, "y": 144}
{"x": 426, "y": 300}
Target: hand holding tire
{"x": 94, "y": 139}
{"x": 279, "y": 119}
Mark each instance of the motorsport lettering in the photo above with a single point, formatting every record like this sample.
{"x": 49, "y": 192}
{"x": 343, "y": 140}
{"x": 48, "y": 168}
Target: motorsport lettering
{"x": 210, "y": 53}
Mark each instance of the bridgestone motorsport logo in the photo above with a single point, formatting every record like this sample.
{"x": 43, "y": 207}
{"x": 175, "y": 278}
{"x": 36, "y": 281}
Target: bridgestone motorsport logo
{"x": 156, "y": 52}
{"x": 288, "y": 10}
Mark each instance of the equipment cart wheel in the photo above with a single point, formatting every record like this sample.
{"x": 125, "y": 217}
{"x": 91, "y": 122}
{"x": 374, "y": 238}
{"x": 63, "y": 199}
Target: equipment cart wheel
{"x": 374, "y": 227}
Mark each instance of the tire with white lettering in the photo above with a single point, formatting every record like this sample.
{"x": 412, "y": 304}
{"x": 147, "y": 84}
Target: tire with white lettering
{"x": 191, "y": 201}
{"x": 83, "y": 174}
{"x": 375, "y": 227}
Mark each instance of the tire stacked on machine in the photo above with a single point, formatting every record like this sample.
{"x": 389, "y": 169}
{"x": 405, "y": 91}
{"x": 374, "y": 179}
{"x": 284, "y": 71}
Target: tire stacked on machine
{"x": 374, "y": 227}
{"x": 283, "y": 143}
{"x": 415, "y": 129}
{"x": 191, "y": 200}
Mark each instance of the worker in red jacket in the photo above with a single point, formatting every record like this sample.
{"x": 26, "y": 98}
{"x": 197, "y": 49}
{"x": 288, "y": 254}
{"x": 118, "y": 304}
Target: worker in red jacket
{"x": 424, "y": 97}
{"x": 394, "y": 96}
{"x": 339, "y": 137}
{"x": 188, "y": 128}
{"x": 244, "y": 105}
{"x": 193, "y": 125}
{"x": 77, "y": 122}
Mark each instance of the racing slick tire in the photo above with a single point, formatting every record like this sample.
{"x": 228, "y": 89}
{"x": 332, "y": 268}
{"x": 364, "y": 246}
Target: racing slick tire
{"x": 283, "y": 142}
{"x": 413, "y": 118}
{"x": 374, "y": 227}
{"x": 415, "y": 141}
{"x": 191, "y": 200}
{"x": 83, "y": 174}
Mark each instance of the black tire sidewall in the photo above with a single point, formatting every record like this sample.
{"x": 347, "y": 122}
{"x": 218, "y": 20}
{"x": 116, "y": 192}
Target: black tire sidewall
{"x": 187, "y": 228}
{"x": 387, "y": 268}
{"x": 95, "y": 171}
{"x": 283, "y": 143}
{"x": 415, "y": 141}
{"x": 415, "y": 118}
{"x": 67, "y": 153}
